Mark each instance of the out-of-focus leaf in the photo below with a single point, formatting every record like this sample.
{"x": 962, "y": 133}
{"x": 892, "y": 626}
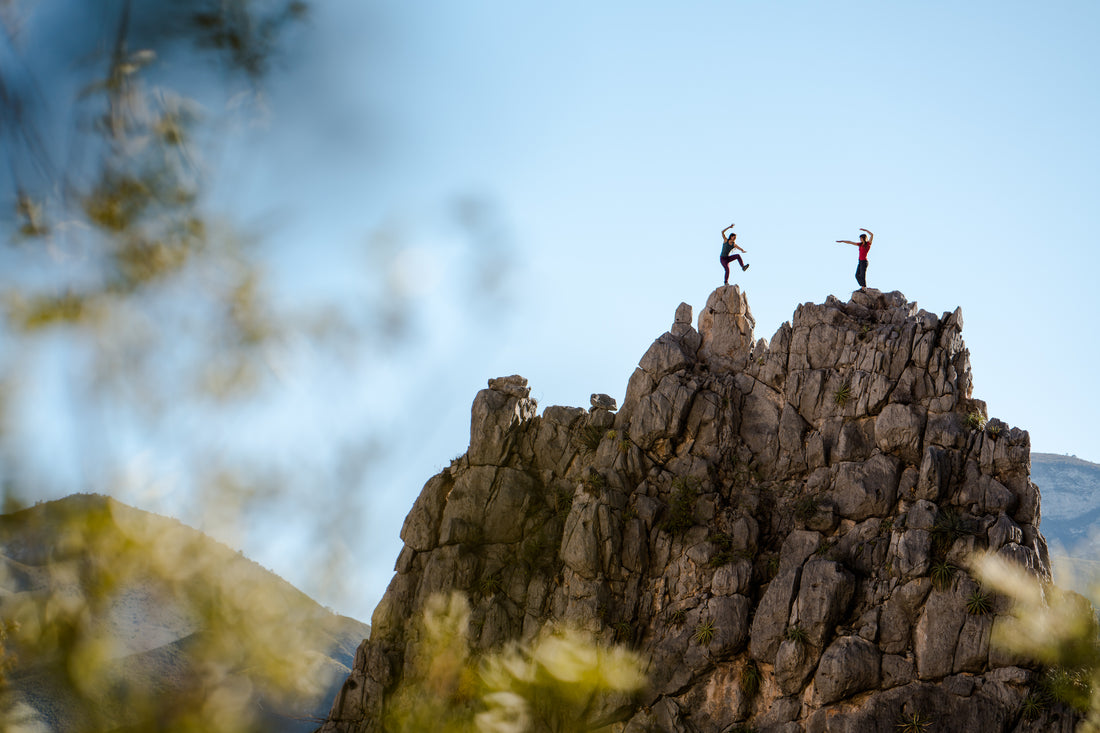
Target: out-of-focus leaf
{"x": 35, "y": 312}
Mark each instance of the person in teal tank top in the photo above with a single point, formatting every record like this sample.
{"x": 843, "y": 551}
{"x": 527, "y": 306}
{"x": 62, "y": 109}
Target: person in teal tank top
{"x": 729, "y": 243}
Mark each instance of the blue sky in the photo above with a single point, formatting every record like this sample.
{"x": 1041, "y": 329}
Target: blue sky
{"x": 609, "y": 144}
{"x": 618, "y": 139}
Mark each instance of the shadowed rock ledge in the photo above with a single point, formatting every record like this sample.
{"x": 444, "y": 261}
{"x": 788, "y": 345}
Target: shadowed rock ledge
{"x": 813, "y": 500}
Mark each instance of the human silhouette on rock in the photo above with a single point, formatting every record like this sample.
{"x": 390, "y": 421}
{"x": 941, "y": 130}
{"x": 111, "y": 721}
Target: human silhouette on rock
{"x": 729, "y": 243}
{"x": 864, "y": 245}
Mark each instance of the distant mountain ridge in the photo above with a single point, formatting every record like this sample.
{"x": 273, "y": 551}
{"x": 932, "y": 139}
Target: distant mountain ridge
{"x": 1071, "y": 514}
{"x": 118, "y": 616}
{"x": 1072, "y": 485}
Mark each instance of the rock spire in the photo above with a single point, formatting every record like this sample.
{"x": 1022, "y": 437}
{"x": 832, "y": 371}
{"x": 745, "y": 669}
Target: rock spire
{"x": 812, "y": 500}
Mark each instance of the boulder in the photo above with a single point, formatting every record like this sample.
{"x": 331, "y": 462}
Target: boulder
{"x": 602, "y": 401}
{"x": 497, "y": 415}
{"x": 867, "y": 489}
{"x": 850, "y": 665}
{"x": 825, "y": 590}
{"x": 726, "y": 327}
{"x": 899, "y": 430}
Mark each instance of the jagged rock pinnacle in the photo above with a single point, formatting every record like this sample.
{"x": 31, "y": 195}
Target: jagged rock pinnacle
{"x": 725, "y": 326}
{"x": 812, "y": 500}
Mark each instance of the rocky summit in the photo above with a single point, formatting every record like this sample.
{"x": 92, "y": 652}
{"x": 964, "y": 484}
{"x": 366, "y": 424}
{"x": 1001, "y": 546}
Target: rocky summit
{"x": 782, "y": 530}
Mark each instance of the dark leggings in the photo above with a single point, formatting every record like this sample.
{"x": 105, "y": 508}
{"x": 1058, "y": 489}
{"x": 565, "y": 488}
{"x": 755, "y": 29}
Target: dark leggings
{"x": 861, "y": 273}
{"x": 726, "y": 264}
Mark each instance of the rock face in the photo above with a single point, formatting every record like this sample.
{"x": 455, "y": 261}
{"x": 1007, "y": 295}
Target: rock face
{"x": 812, "y": 501}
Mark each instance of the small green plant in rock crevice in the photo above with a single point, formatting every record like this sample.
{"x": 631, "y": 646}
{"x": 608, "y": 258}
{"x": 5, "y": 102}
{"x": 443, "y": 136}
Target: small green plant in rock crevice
{"x": 797, "y": 634}
{"x": 942, "y": 572}
{"x": 593, "y": 482}
{"x": 563, "y": 502}
{"x": 975, "y": 420}
{"x": 913, "y": 723}
{"x": 681, "y": 510}
{"x": 589, "y": 437}
{"x": 704, "y": 632}
{"x": 1034, "y": 704}
{"x": 805, "y": 507}
{"x": 752, "y": 679}
{"x": 842, "y": 395}
{"x": 489, "y": 585}
{"x": 979, "y": 603}
{"x": 726, "y": 552}
{"x": 948, "y": 527}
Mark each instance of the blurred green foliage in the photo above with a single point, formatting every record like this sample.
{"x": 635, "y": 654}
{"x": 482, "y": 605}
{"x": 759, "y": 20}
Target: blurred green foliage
{"x": 117, "y": 256}
{"x": 123, "y": 234}
{"x": 117, "y": 250}
{"x": 1054, "y": 627}
{"x": 83, "y": 576}
{"x": 562, "y": 681}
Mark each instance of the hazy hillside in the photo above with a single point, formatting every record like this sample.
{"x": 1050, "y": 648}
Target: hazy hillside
{"x": 1071, "y": 514}
{"x": 1071, "y": 486}
{"x": 118, "y": 616}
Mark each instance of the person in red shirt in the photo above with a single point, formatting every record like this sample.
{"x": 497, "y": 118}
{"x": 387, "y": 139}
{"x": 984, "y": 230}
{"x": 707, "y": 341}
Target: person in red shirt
{"x": 864, "y": 245}
{"x": 729, "y": 243}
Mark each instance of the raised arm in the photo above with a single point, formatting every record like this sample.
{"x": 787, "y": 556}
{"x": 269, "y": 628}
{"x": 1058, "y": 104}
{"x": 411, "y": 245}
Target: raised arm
{"x": 870, "y": 235}
{"x": 724, "y": 231}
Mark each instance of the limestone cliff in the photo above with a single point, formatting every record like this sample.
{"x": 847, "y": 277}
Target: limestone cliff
{"x": 811, "y": 501}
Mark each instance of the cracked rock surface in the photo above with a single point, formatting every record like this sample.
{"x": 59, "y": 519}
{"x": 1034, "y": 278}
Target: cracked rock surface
{"x": 798, "y": 495}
